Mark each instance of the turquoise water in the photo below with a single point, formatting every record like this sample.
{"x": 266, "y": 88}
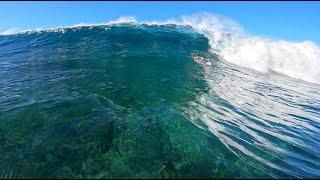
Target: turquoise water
{"x": 129, "y": 101}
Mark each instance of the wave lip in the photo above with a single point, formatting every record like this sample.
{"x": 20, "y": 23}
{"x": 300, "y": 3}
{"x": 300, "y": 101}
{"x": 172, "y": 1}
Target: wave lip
{"x": 120, "y": 20}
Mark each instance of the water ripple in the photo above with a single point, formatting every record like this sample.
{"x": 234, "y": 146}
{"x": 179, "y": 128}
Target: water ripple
{"x": 269, "y": 120}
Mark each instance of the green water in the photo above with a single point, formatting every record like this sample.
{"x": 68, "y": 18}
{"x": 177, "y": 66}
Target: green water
{"x": 113, "y": 102}
{"x": 104, "y": 104}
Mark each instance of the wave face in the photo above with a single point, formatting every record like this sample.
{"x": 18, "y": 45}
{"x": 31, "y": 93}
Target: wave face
{"x": 127, "y": 100}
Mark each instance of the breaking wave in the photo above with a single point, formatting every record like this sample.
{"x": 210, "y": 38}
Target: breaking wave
{"x": 300, "y": 60}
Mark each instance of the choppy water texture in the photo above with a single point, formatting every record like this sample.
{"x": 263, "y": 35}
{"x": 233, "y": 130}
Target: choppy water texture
{"x": 126, "y": 101}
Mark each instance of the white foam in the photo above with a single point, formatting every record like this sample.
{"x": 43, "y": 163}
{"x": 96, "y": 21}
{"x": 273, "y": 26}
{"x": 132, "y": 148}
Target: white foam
{"x": 123, "y": 20}
{"x": 300, "y": 60}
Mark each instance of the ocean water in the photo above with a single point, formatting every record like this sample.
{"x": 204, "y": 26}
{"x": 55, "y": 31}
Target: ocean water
{"x": 129, "y": 100}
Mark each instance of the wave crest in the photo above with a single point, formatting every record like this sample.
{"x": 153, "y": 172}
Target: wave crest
{"x": 227, "y": 39}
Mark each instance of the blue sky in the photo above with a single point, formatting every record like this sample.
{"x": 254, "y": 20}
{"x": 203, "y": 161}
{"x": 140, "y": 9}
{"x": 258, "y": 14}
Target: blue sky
{"x": 294, "y": 21}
